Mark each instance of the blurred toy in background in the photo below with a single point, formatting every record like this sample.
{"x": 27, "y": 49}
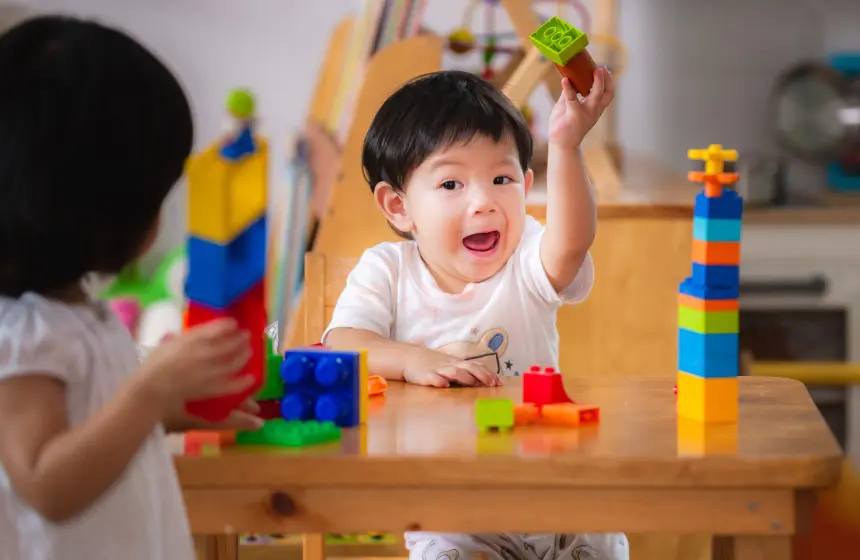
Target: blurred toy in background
{"x": 150, "y": 307}
{"x": 240, "y": 135}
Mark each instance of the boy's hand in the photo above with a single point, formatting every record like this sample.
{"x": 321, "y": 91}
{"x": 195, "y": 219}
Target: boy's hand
{"x": 435, "y": 369}
{"x": 571, "y": 119}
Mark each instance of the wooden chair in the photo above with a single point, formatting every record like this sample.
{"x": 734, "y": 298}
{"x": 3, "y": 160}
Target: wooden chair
{"x": 325, "y": 278}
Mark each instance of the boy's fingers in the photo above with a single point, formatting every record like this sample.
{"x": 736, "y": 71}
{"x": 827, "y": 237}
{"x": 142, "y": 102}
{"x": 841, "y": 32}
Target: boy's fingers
{"x": 480, "y": 373}
{"x": 458, "y": 374}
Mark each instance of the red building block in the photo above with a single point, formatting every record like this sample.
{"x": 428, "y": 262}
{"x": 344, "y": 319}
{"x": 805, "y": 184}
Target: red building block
{"x": 250, "y": 312}
{"x": 543, "y": 386}
{"x": 269, "y": 409}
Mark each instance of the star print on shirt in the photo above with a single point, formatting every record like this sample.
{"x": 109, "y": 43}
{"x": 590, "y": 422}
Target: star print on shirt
{"x": 508, "y": 364}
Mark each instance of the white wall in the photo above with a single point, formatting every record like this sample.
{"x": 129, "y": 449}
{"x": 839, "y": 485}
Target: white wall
{"x": 699, "y": 72}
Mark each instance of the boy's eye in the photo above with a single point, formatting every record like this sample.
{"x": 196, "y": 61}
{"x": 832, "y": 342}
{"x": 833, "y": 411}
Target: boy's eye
{"x": 502, "y": 180}
{"x": 450, "y": 185}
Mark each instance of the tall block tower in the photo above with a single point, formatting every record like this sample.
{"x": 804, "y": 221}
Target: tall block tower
{"x": 227, "y": 233}
{"x": 708, "y": 346}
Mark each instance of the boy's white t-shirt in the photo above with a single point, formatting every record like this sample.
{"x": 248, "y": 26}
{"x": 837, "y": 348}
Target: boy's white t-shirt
{"x": 507, "y": 322}
{"x": 142, "y": 516}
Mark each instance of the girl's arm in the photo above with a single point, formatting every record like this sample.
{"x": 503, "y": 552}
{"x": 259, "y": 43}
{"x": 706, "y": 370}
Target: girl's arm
{"x": 57, "y": 470}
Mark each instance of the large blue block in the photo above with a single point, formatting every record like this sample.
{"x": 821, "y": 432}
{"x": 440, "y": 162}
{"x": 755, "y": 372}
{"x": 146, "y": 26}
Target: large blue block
{"x": 713, "y": 229}
{"x": 727, "y": 206}
{"x": 716, "y": 275}
{"x": 701, "y": 291}
{"x": 708, "y": 355}
{"x": 322, "y": 385}
{"x": 219, "y": 274}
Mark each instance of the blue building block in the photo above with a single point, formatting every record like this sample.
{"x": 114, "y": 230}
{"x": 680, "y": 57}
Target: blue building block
{"x": 716, "y": 275}
{"x": 727, "y": 206}
{"x": 240, "y": 146}
{"x": 701, "y": 291}
{"x": 708, "y": 355}
{"x": 711, "y": 229}
{"x": 220, "y": 274}
{"x": 323, "y": 385}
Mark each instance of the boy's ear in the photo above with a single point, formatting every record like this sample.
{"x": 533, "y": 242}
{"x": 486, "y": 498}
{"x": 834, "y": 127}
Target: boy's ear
{"x": 529, "y": 180}
{"x": 393, "y": 205}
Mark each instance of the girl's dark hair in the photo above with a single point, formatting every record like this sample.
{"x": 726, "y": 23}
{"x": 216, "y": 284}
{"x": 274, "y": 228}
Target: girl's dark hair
{"x": 432, "y": 112}
{"x": 94, "y": 133}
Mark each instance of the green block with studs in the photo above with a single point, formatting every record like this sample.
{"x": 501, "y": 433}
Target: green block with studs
{"x": 708, "y": 322}
{"x": 273, "y": 385}
{"x": 559, "y": 41}
{"x": 494, "y": 414}
{"x": 290, "y": 433}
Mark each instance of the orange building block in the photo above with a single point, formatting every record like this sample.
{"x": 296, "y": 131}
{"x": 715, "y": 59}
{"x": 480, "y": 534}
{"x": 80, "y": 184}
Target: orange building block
{"x": 525, "y": 414}
{"x": 569, "y": 414}
{"x": 716, "y": 252}
{"x": 685, "y": 300}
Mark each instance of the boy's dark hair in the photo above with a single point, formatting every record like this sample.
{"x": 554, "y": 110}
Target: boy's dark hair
{"x": 94, "y": 133}
{"x": 432, "y": 112}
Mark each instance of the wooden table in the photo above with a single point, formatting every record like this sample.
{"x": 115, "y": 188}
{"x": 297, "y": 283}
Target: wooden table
{"x": 420, "y": 464}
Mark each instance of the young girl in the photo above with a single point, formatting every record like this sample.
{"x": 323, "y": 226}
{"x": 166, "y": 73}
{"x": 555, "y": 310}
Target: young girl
{"x": 94, "y": 132}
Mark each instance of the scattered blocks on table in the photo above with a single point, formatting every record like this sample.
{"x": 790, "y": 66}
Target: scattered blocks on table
{"x": 543, "y": 386}
{"x": 293, "y": 433}
{"x": 494, "y": 414}
{"x": 569, "y": 414}
{"x": 707, "y": 399}
{"x": 526, "y": 414}
{"x": 708, "y": 355}
{"x": 714, "y": 229}
{"x": 325, "y": 385}
{"x": 219, "y": 273}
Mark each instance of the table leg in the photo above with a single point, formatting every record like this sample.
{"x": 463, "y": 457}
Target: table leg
{"x": 752, "y": 548}
{"x": 313, "y": 546}
{"x": 216, "y": 547}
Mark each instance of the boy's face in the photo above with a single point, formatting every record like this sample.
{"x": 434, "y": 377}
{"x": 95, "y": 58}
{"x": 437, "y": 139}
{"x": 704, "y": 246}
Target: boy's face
{"x": 465, "y": 207}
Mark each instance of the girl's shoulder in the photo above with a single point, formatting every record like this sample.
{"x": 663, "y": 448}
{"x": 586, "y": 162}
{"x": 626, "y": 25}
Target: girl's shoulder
{"x": 40, "y": 335}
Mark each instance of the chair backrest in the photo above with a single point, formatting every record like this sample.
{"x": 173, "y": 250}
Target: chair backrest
{"x": 325, "y": 278}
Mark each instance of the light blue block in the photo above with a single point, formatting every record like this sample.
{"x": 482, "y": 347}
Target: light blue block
{"x": 709, "y": 229}
{"x": 708, "y": 355}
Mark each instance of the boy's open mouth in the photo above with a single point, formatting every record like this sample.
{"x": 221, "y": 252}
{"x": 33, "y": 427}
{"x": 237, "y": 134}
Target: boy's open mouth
{"x": 482, "y": 242}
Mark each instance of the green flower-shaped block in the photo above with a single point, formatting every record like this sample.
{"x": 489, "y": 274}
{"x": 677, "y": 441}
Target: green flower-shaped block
{"x": 293, "y": 433}
{"x": 559, "y": 41}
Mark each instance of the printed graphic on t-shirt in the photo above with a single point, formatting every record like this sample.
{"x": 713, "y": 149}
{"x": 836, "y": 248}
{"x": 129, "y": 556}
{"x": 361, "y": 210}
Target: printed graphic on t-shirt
{"x": 489, "y": 350}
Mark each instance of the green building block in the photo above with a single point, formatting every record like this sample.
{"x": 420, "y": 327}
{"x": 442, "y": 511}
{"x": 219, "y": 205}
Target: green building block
{"x": 273, "y": 385}
{"x": 708, "y": 322}
{"x": 495, "y": 414}
{"x": 559, "y": 41}
{"x": 293, "y": 433}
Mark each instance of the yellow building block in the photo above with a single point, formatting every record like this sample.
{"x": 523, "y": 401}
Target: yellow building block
{"x": 225, "y": 197}
{"x": 707, "y": 399}
{"x": 706, "y": 438}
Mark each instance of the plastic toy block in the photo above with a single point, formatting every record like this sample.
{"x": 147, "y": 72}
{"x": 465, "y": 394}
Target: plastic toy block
{"x": 706, "y": 322}
{"x": 543, "y": 386}
{"x": 250, "y": 313}
{"x": 699, "y": 304}
{"x": 290, "y": 433}
{"x": 273, "y": 385}
{"x": 716, "y": 252}
{"x": 727, "y": 206}
{"x": 269, "y": 409}
{"x": 716, "y": 275}
{"x": 707, "y": 400}
{"x": 526, "y": 414}
{"x": 700, "y": 291}
{"x": 708, "y": 355}
{"x": 376, "y": 385}
{"x": 494, "y": 414}
{"x": 714, "y": 174}
{"x": 558, "y": 40}
{"x": 240, "y": 146}
{"x": 194, "y": 441}
{"x": 713, "y": 229}
{"x": 325, "y": 385}
{"x": 224, "y": 197}
{"x": 219, "y": 274}
{"x": 569, "y": 414}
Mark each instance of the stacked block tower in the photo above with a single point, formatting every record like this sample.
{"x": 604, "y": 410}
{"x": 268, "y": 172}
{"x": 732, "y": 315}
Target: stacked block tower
{"x": 708, "y": 360}
{"x": 227, "y": 200}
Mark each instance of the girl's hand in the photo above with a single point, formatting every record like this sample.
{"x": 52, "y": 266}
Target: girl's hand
{"x": 571, "y": 119}
{"x": 436, "y": 369}
{"x": 243, "y": 419}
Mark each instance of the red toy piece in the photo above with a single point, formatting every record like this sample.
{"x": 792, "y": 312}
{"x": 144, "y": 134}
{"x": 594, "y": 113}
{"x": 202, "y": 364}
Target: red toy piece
{"x": 269, "y": 409}
{"x": 676, "y": 390}
{"x": 250, "y": 312}
{"x": 543, "y": 386}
